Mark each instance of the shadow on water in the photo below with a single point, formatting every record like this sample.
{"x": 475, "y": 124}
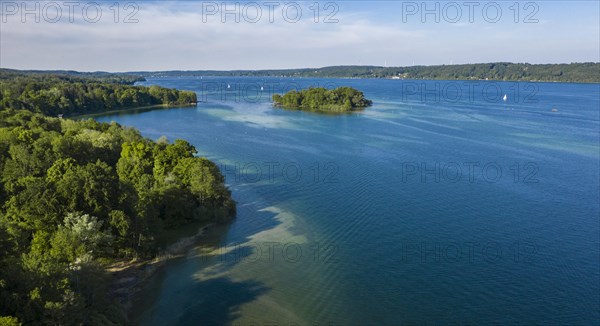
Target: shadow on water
{"x": 216, "y": 302}
{"x": 213, "y": 298}
{"x": 221, "y": 307}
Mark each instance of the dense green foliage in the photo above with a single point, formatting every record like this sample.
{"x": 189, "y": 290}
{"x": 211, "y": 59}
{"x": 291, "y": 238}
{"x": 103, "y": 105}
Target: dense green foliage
{"x": 69, "y": 75}
{"x": 73, "y": 95}
{"x": 573, "y": 72}
{"x": 342, "y": 99}
{"x": 587, "y": 72}
{"x": 77, "y": 195}
{"x": 577, "y": 72}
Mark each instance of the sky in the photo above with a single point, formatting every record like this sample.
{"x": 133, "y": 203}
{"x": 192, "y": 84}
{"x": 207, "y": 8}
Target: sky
{"x": 214, "y": 35}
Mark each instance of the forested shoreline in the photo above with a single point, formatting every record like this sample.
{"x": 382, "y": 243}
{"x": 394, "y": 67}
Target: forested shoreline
{"x": 68, "y": 95}
{"x": 579, "y": 72}
{"x": 586, "y": 72}
{"x": 76, "y": 196}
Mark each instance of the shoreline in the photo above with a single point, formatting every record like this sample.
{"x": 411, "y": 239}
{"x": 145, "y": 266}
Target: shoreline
{"x": 126, "y": 110}
{"x": 321, "y": 112}
{"x": 381, "y": 78}
{"x": 129, "y": 277}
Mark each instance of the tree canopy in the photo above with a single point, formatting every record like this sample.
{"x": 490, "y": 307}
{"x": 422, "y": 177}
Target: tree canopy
{"x": 342, "y": 99}
{"x": 76, "y": 195}
{"x": 73, "y": 95}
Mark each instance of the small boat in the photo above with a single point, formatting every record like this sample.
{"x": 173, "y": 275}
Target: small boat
{"x": 228, "y": 86}
{"x": 505, "y": 98}
{"x": 261, "y": 88}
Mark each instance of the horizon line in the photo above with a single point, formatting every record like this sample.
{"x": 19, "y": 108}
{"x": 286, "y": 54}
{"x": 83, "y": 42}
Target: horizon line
{"x": 302, "y": 68}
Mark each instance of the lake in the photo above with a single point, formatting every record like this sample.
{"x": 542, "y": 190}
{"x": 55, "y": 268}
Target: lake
{"x": 442, "y": 204}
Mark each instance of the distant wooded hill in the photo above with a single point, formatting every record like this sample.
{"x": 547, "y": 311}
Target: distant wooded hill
{"x": 588, "y": 72}
{"x": 573, "y": 72}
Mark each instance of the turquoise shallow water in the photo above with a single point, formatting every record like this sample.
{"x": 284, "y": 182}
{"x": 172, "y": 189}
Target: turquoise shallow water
{"x": 442, "y": 203}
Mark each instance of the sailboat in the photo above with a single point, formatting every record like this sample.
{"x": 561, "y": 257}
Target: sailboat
{"x": 505, "y": 98}
{"x": 228, "y": 86}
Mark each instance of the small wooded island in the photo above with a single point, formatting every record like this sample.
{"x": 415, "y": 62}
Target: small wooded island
{"x": 318, "y": 99}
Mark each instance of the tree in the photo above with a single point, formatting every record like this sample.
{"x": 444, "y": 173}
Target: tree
{"x": 75, "y": 195}
{"x": 9, "y": 321}
{"x": 167, "y": 156}
{"x": 135, "y": 161}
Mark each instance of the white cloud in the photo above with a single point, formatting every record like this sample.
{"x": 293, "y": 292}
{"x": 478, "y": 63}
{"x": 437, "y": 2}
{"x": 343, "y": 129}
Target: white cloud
{"x": 173, "y": 36}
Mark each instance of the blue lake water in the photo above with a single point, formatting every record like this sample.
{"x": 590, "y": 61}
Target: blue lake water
{"x": 440, "y": 204}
